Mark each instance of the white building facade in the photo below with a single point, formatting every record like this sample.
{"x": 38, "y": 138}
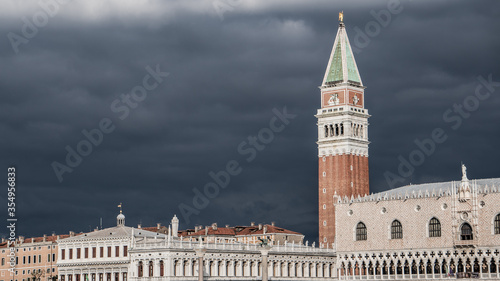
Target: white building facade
{"x": 153, "y": 259}
{"x": 124, "y": 253}
{"x": 427, "y": 231}
{"x": 101, "y": 255}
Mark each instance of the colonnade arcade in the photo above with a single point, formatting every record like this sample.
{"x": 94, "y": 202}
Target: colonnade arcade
{"x": 233, "y": 265}
{"x": 338, "y": 129}
{"x": 420, "y": 265}
{"x": 94, "y": 274}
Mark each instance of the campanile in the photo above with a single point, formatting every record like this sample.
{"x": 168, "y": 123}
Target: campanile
{"x": 342, "y": 134}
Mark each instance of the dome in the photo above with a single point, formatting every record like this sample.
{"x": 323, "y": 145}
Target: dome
{"x": 120, "y": 219}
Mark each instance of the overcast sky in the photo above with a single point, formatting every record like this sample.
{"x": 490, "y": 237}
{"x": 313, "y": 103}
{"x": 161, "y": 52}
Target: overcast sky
{"x": 66, "y": 67}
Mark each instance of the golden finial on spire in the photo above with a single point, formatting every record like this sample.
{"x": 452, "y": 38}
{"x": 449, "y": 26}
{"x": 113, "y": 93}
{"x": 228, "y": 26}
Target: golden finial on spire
{"x": 120, "y": 206}
{"x": 341, "y": 16}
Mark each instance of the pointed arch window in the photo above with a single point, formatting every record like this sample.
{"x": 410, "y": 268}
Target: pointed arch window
{"x": 434, "y": 228}
{"x": 466, "y": 232}
{"x": 361, "y": 233}
{"x": 396, "y": 230}
{"x": 497, "y": 224}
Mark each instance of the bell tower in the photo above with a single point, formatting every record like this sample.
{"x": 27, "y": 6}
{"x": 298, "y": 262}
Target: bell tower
{"x": 342, "y": 134}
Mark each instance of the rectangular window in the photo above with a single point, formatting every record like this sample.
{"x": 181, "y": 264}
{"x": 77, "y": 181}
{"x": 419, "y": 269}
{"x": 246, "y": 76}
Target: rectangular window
{"x": 63, "y": 254}
{"x": 34, "y": 258}
{"x": 24, "y": 260}
{"x": 70, "y": 254}
{"x": 29, "y": 259}
{"x": 40, "y": 258}
{"x": 102, "y": 252}
{"x": 86, "y": 253}
{"x": 48, "y": 258}
{"x": 53, "y": 257}
{"x": 94, "y": 252}
{"x": 78, "y": 253}
{"x": 109, "y": 251}
{"x": 124, "y": 251}
{"x": 117, "y": 251}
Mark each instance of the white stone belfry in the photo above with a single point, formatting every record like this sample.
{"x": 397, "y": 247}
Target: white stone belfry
{"x": 343, "y": 118}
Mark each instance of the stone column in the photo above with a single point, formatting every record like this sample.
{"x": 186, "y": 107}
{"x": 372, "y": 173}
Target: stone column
{"x": 156, "y": 267}
{"x": 265, "y": 253}
{"x": 200, "y": 252}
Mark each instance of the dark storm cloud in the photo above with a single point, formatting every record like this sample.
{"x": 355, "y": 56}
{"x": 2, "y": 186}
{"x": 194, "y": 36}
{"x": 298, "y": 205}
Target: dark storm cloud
{"x": 225, "y": 79}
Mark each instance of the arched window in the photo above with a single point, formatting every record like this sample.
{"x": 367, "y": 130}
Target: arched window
{"x": 396, "y": 230}
{"x": 140, "y": 269}
{"x": 434, "y": 228}
{"x": 361, "y": 232}
{"x": 150, "y": 269}
{"x": 466, "y": 232}
{"x": 497, "y": 224}
{"x": 162, "y": 268}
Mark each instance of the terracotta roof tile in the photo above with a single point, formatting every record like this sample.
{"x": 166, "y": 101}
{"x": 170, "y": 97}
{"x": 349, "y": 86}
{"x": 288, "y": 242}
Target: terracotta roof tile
{"x": 241, "y": 230}
{"x": 49, "y": 238}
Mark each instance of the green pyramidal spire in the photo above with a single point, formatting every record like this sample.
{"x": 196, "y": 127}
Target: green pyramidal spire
{"x": 342, "y": 66}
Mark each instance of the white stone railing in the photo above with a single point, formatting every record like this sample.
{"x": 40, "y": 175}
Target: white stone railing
{"x": 288, "y": 247}
{"x": 344, "y": 108}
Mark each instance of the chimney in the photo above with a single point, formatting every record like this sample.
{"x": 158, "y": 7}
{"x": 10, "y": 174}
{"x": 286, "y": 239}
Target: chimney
{"x": 21, "y": 239}
{"x": 206, "y": 230}
{"x": 139, "y": 226}
{"x": 214, "y": 226}
{"x": 260, "y": 226}
{"x": 57, "y": 237}
{"x": 71, "y": 234}
{"x": 273, "y": 223}
{"x": 158, "y": 225}
{"x": 265, "y": 229}
{"x": 227, "y": 225}
{"x": 252, "y": 224}
{"x": 44, "y": 237}
{"x": 3, "y": 240}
